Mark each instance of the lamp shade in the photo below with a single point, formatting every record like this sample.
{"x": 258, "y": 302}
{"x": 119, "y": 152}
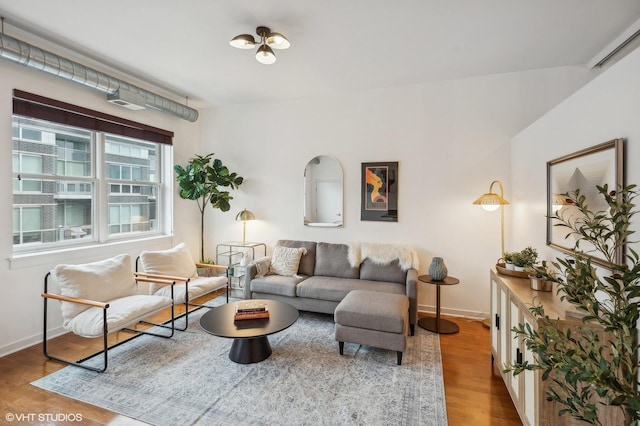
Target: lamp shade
{"x": 243, "y": 41}
{"x": 491, "y": 201}
{"x": 265, "y": 55}
{"x": 245, "y": 215}
{"x": 278, "y": 41}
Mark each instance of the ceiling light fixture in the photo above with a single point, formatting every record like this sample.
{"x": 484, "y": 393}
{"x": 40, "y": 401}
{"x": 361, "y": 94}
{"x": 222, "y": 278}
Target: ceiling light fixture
{"x": 268, "y": 42}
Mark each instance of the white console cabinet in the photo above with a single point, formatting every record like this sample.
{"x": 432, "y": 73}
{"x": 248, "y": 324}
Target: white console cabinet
{"x": 511, "y": 299}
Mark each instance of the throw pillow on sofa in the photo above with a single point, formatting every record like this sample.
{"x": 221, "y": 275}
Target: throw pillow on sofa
{"x": 285, "y": 260}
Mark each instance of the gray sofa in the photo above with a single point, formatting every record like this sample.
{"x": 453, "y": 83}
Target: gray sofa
{"x": 325, "y": 276}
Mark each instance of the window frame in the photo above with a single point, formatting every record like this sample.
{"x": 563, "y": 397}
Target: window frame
{"x": 124, "y": 131}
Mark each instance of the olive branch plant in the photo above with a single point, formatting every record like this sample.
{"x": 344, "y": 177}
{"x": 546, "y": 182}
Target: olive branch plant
{"x": 596, "y": 363}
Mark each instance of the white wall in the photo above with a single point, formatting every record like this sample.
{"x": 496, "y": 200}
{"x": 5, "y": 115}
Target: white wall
{"x": 451, "y": 140}
{"x": 22, "y": 281}
{"x": 606, "y": 108}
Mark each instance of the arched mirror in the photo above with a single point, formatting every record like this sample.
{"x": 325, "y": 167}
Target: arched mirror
{"x": 323, "y": 192}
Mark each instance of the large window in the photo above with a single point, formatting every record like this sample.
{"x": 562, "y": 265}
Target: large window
{"x": 73, "y": 185}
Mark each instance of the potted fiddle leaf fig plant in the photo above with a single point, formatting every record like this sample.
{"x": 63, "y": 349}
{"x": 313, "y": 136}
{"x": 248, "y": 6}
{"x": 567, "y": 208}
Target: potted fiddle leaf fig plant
{"x": 595, "y": 364}
{"x": 206, "y": 181}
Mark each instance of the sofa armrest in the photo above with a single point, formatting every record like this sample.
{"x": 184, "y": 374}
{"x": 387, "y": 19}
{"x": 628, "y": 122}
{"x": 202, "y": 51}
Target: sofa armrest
{"x": 249, "y": 274}
{"x": 412, "y": 292}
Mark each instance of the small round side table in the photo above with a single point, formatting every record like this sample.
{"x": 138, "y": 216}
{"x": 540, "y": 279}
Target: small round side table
{"x": 438, "y": 325}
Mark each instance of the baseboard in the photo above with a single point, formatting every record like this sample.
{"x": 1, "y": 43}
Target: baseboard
{"x": 429, "y": 309}
{"x": 29, "y": 341}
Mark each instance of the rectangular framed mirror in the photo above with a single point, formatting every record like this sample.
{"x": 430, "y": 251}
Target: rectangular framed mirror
{"x": 584, "y": 170}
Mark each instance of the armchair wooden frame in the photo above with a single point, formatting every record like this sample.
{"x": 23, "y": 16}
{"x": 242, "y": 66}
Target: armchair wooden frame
{"x": 153, "y": 277}
{"x": 105, "y": 331}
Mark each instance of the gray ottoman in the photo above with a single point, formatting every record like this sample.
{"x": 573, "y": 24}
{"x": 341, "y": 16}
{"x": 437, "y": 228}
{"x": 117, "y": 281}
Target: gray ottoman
{"x": 373, "y": 318}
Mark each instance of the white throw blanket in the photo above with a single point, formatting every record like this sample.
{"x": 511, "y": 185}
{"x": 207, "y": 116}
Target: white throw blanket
{"x": 383, "y": 254}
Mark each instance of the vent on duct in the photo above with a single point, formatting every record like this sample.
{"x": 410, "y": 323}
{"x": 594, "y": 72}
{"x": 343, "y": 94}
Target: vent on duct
{"x": 127, "y": 99}
{"x": 118, "y": 92}
{"x": 617, "y": 45}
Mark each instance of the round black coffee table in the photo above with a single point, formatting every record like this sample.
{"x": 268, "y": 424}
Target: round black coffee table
{"x": 250, "y": 342}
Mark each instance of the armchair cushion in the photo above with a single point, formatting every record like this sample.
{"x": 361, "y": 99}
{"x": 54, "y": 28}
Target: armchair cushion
{"x": 121, "y": 313}
{"x": 176, "y": 262}
{"x": 100, "y": 281}
{"x": 197, "y": 287}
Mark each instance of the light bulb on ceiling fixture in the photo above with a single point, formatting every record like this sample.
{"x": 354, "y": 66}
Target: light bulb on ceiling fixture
{"x": 243, "y": 41}
{"x": 278, "y": 41}
{"x": 265, "y": 55}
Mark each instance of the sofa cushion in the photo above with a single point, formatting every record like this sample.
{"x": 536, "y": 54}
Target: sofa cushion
{"x": 285, "y": 260}
{"x": 308, "y": 260}
{"x": 332, "y": 260}
{"x": 335, "y": 289}
{"x": 370, "y": 270}
{"x": 276, "y": 284}
{"x": 100, "y": 281}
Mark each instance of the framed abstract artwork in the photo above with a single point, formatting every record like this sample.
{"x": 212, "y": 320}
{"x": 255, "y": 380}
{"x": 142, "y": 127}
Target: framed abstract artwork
{"x": 584, "y": 170}
{"x": 379, "y": 200}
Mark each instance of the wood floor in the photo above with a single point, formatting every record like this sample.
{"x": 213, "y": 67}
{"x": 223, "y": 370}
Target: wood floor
{"x": 475, "y": 394}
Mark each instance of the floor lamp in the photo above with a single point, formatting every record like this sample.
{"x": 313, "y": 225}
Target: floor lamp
{"x": 492, "y": 202}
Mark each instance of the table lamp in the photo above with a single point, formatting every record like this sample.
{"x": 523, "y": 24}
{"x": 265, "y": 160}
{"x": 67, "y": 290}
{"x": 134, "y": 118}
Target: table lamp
{"x": 244, "y": 216}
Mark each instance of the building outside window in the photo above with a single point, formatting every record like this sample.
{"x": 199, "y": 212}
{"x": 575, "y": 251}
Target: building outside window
{"x": 72, "y": 185}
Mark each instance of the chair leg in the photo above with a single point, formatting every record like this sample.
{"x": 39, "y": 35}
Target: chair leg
{"x": 412, "y": 329}
{"x": 78, "y": 363}
{"x": 341, "y": 347}
{"x": 399, "y": 358}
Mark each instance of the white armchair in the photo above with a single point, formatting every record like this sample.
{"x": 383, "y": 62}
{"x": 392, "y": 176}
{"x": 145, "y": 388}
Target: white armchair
{"x": 177, "y": 264}
{"x": 100, "y": 298}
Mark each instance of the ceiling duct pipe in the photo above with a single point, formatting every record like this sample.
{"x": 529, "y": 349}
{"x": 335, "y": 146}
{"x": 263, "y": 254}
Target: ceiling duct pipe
{"x": 42, "y": 60}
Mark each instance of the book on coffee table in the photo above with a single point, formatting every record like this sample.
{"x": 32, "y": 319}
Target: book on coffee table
{"x": 251, "y": 306}
{"x": 251, "y": 310}
{"x": 251, "y": 315}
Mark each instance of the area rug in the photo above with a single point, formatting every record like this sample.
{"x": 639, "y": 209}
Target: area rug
{"x": 189, "y": 380}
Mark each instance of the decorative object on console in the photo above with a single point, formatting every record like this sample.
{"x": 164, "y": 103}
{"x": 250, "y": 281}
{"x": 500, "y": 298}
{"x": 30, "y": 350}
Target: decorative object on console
{"x": 437, "y": 269}
{"x": 379, "y": 200}
{"x": 268, "y": 41}
{"x": 599, "y": 165}
{"x": 583, "y": 378}
{"x": 244, "y": 216}
{"x": 491, "y": 201}
{"x": 520, "y": 261}
{"x": 204, "y": 183}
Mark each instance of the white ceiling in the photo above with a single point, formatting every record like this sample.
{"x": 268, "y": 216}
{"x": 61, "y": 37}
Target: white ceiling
{"x": 336, "y": 45}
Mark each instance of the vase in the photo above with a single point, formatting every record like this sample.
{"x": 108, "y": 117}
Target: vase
{"x": 437, "y": 269}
